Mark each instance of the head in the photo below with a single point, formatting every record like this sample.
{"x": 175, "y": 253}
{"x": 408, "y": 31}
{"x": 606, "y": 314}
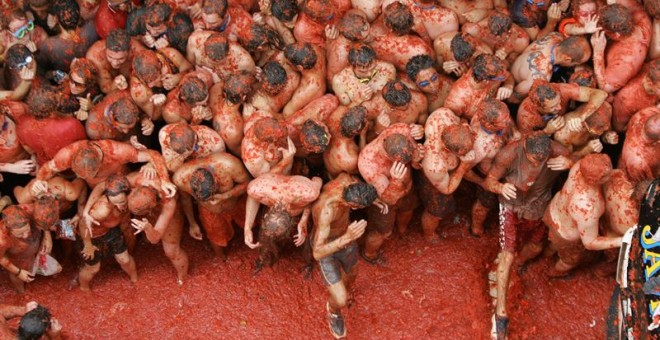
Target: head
{"x": 193, "y": 91}
{"x": 652, "y": 8}
{"x": 458, "y": 139}
{"x": 398, "y": 18}
{"x": 314, "y": 136}
{"x": 583, "y": 76}
{"x": 274, "y": 78}
{"x": 117, "y": 188}
{"x": 652, "y": 79}
{"x": 238, "y": 86}
{"x": 320, "y": 11}
{"x": 271, "y": 131}
{"x": 537, "y": 148}
{"x": 117, "y": 47}
{"x": 616, "y": 20}
{"x": 420, "y": 70}
{"x": 353, "y": 27}
{"x": 286, "y": 11}
{"x": 216, "y": 47}
{"x": 499, "y": 23}
{"x": 182, "y": 139}
{"x": 359, "y": 195}
{"x": 397, "y": 95}
{"x": 301, "y": 55}
{"x": 595, "y": 168}
{"x": 17, "y": 222}
{"x": 261, "y": 38}
{"x": 156, "y": 19}
{"x": 353, "y": 121}
{"x": 67, "y": 13}
{"x": 18, "y": 57}
{"x": 573, "y": 51}
{"x": 487, "y": 67}
{"x": 39, "y": 8}
{"x": 494, "y": 115}
{"x": 142, "y": 200}
{"x": 34, "y": 324}
{"x": 202, "y": 184}
{"x": 652, "y": 128}
{"x": 462, "y": 47}
{"x": 123, "y": 114}
{"x": 362, "y": 59}
{"x": 87, "y": 161}
{"x": 82, "y": 76}
{"x": 545, "y": 97}
{"x": 213, "y": 13}
{"x": 148, "y": 68}
{"x": 18, "y": 25}
{"x": 119, "y": 5}
{"x": 179, "y": 29}
{"x": 584, "y": 9}
{"x": 42, "y": 101}
{"x": 46, "y": 212}
{"x": 399, "y": 148}
{"x": 277, "y": 222}
{"x": 598, "y": 123}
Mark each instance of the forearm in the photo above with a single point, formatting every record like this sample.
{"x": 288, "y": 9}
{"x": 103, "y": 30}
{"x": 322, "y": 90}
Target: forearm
{"x": 9, "y": 266}
{"x": 393, "y": 191}
{"x": 474, "y": 178}
{"x": 47, "y": 171}
{"x": 599, "y": 69}
{"x": 331, "y": 247}
{"x": 251, "y": 211}
{"x": 9, "y": 312}
{"x": 603, "y": 243}
{"x": 187, "y": 205}
{"x": 456, "y": 177}
{"x": 493, "y": 185}
{"x": 21, "y": 90}
{"x": 159, "y": 164}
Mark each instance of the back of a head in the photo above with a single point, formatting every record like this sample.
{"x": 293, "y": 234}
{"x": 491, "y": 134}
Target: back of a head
{"x": 116, "y": 184}
{"x": 270, "y": 130}
{"x": 301, "y": 54}
{"x": 537, "y": 144}
{"x": 396, "y": 93}
{"x": 202, "y": 184}
{"x": 118, "y": 41}
{"x": 277, "y": 222}
{"x": 353, "y": 121}
{"x": 147, "y": 66}
{"x": 34, "y": 324}
{"x": 238, "y": 86}
{"x": 14, "y": 217}
{"x": 576, "y": 48}
{"x": 499, "y": 23}
{"x": 594, "y": 167}
{"x": 193, "y": 90}
{"x": 274, "y": 74}
{"x": 493, "y": 113}
{"x": 158, "y": 14}
{"x": 86, "y": 162}
{"x": 318, "y": 10}
{"x": 541, "y": 92}
{"x": 398, "y": 18}
{"x": 182, "y": 138}
{"x": 461, "y": 47}
{"x": 399, "y": 148}
{"x": 314, "y": 137}
{"x": 67, "y": 13}
{"x": 216, "y": 47}
{"x": 18, "y": 55}
{"x": 487, "y": 67}
{"x": 584, "y": 76}
{"x": 218, "y": 7}
{"x": 361, "y": 194}
{"x": 42, "y": 101}
{"x": 458, "y": 139}
{"x": 352, "y": 26}
{"x": 284, "y": 10}
{"x": 124, "y": 111}
{"x": 46, "y": 212}
{"x": 616, "y": 18}
{"x": 142, "y": 200}
{"x": 361, "y": 55}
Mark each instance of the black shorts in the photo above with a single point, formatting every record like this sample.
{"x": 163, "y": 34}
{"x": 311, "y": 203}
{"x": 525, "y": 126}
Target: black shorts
{"x": 110, "y": 244}
{"x": 435, "y": 202}
{"x": 347, "y": 258}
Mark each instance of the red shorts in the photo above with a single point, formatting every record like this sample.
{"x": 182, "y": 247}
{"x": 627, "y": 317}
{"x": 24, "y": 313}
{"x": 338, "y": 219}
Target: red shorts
{"x": 218, "y": 227}
{"x": 516, "y": 232}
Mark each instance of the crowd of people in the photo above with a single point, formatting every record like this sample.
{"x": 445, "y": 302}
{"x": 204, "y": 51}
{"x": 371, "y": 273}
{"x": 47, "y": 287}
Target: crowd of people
{"x": 283, "y": 117}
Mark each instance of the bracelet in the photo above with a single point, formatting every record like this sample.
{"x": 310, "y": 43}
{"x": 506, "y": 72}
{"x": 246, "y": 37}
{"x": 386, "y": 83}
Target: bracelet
{"x": 19, "y": 271}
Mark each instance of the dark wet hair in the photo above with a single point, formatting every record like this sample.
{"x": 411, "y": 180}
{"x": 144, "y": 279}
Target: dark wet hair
{"x": 215, "y": 6}
{"x": 284, "y": 10}
{"x": 396, "y": 93}
{"x": 399, "y": 148}
{"x": 238, "y": 85}
{"x": 118, "y": 41}
{"x": 314, "y": 137}
{"x": 350, "y": 26}
{"x": 353, "y": 121}
{"x": 361, "y": 194}
{"x": 575, "y": 48}
{"x": 135, "y": 23}
{"x": 417, "y": 64}
{"x": 34, "y": 324}
{"x": 182, "y": 138}
{"x": 361, "y": 55}
{"x": 457, "y": 138}
{"x": 142, "y": 199}
{"x": 654, "y": 70}
{"x": 270, "y": 130}
{"x": 538, "y": 144}
{"x": 542, "y": 92}
{"x": 260, "y": 36}
{"x": 398, "y": 18}
{"x": 116, "y": 184}
{"x": 86, "y": 162}
{"x": 202, "y": 184}
{"x": 274, "y": 74}
{"x": 193, "y": 90}
{"x": 499, "y": 23}
{"x": 652, "y": 8}
{"x": 179, "y": 30}
{"x": 124, "y": 111}
{"x": 583, "y": 77}
{"x": 461, "y": 48}
{"x": 15, "y": 217}
{"x": 16, "y": 55}
{"x": 301, "y": 54}
{"x": 317, "y": 9}
{"x": 158, "y": 14}
{"x": 491, "y": 110}
{"x": 216, "y": 47}
{"x": 67, "y": 13}
{"x": 486, "y": 67}
{"x": 617, "y": 19}
{"x": 277, "y": 222}
{"x": 85, "y": 69}
{"x": 42, "y": 101}
{"x": 147, "y": 66}
{"x": 46, "y": 212}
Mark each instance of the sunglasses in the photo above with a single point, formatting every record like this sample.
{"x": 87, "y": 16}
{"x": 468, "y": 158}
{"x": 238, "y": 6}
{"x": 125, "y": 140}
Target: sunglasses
{"x": 77, "y": 84}
{"x": 21, "y": 32}
{"x": 425, "y": 83}
{"x": 498, "y": 78}
{"x": 540, "y": 4}
{"x": 25, "y": 62}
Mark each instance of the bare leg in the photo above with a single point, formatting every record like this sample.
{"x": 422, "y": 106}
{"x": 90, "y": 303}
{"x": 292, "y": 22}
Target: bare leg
{"x": 429, "y": 225}
{"x": 127, "y": 263}
{"x": 18, "y": 284}
{"x": 503, "y": 273}
{"x": 86, "y": 275}
{"x": 219, "y": 251}
{"x": 179, "y": 260}
{"x": 373, "y": 243}
{"x": 479, "y": 214}
{"x": 338, "y": 297}
{"x": 528, "y": 252}
{"x": 403, "y": 220}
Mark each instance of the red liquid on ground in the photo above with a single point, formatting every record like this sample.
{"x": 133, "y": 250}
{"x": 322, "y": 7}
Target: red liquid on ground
{"x": 425, "y": 291}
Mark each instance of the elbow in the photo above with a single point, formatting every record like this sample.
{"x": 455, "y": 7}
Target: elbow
{"x": 317, "y": 255}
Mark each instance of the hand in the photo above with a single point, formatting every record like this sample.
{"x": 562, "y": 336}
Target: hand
{"x": 591, "y": 24}
{"x": 365, "y": 92}
{"x": 563, "y": 5}
{"x": 81, "y": 115}
{"x": 26, "y": 73}
{"x": 331, "y": 32}
{"x": 31, "y": 305}
{"x": 419, "y": 153}
{"x": 200, "y": 113}
{"x": 595, "y": 145}
{"x": 147, "y": 128}
{"x": 88, "y": 220}
{"x": 501, "y": 53}
{"x": 169, "y": 189}
{"x": 503, "y": 93}
{"x": 384, "y": 208}
{"x": 416, "y": 131}
{"x": 195, "y": 11}
{"x": 55, "y": 326}
{"x": 611, "y": 137}
{"x": 38, "y": 187}
{"x": 149, "y": 40}
{"x": 555, "y": 124}
{"x": 88, "y": 251}
{"x": 509, "y": 191}
{"x": 472, "y": 16}
{"x": 450, "y": 66}
{"x": 356, "y": 229}
{"x": 46, "y": 243}
{"x": 195, "y": 232}
{"x": 575, "y": 124}
{"x": 31, "y": 46}
{"x": 383, "y": 120}
{"x": 148, "y": 171}
{"x": 137, "y": 145}
{"x": 258, "y": 74}
{"x": 22, "y": 167}
{"x": 85, "y": 103}
{"x": 559, "y": 163}
{"x": 120, "y": 82}
{"x": 140, "y": 225}
{"x": 554, "y": 13}
{"x": 290, "y": 151}
{"x": 162, "y": 42}
{"x": 258, "y": 18}
{"x": 469, "y": 157}
{"x": 25, "y": 276}
{"x": 249, "y": 240}
{"x": 300, "y": 237}
{"x": 265, "y": 6}
{"x": 158, "y": 99}
{"x": 51, "y": 21}
{"x": 398, "y": 171}
{"x": 598, "y": 41}
{"x": 170, "y": 81}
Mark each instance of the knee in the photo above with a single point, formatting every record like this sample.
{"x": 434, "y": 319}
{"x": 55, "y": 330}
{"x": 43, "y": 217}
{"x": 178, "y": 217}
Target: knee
{"x": 92, "y": 269}
{"x": 341, "y": 300}
{"x": 123, "y": 258}
{"x": 172, "y": 251}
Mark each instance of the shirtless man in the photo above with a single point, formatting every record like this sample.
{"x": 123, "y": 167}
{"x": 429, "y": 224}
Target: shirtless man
{"x": 384, "y": 163}
{"x": 310, "y": 61}
{"x": 215, "y": 53}
{"x": 278, "y": 82}
{"x": 398, "y": 46}
{"x": 154, "y": 73}
{"x": 529, "y": 167}
{"x": 344, "y": 125}
{"x": 435, "y": 86}
{"x": 584, "y": 20}
{"x": 594, "y": 131}
{"x": 431, "y": 20}
{"x": 541, "y": 57}
{"x": 365, "y": 76}
{"x": 639, "y": 93}
{"x": 573, "y": 214}
{"x": 113, "y": 58}
{"x": 225, "y": 102}
{"x": 260, "y": 148}
{"x": 399, "y": 104}
{"x": 17, "y": 28}
{"x": 488, "y": 77}
{"x": 352, "y": 28}
{"x": 334, "y": 241}
{"x": 639, "y": 157}
{"x": 498, "y": 31}
{"x": 188, "y": 102}
{"x": 628, "y": 25}
{"x": 13, "y": 157}
{"x": 229, "y": 19}
{"x": 622, "y": 199}
{"x": 181, "y": 142}
{"x": 156, "y": 17}
{"x": 445, "y": 162}
{"x": 315, "y": 17}
{"x": 456, "y": 51}
{"x": 115, "y": 118}
{"x": 101, "y": 232}
{"x": 537, "y": 17}
{"x": 218, "y": 183}
{"x": 307, "y": 129}
{"x": 36, "y": 322}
